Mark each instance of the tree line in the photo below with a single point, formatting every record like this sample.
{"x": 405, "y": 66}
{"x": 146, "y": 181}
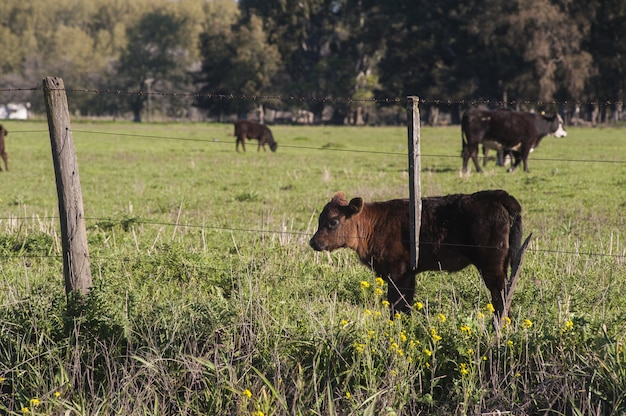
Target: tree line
{"x": 346, "y": 61}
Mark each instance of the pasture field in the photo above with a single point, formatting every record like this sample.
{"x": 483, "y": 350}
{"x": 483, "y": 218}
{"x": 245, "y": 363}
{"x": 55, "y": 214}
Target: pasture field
{"x": 208, "y": 300}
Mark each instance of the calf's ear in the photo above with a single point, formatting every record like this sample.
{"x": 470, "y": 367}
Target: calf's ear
{"x": 356, "y": 205}
{"x": 339, "y": 198}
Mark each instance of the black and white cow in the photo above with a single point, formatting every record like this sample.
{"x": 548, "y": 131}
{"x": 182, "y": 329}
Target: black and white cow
{"x": 506, "y": 130}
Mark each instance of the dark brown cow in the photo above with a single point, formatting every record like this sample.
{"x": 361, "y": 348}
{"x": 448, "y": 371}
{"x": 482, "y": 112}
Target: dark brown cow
{"x": 483, "y": 229}
{"x": 248, "y": 130}
{"x": 506, "y": 130}
{"x": 3, "y": 152}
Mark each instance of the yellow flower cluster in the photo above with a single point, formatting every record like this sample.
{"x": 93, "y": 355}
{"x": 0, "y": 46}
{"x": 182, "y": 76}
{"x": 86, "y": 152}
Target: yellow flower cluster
{"x": 34, "y": 402}
{"x": 434, "y": 335}
{"x": 359, "y": 347}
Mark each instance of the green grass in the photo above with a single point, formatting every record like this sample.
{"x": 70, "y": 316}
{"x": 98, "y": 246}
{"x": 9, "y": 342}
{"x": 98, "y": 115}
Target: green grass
{"x": 205, "y": 288}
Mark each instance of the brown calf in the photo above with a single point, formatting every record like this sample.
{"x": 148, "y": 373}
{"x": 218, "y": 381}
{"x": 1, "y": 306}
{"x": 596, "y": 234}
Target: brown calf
{"x": 483, "y": 229}
{"x": 3, "y": 152}
{"x": 248, "y": 130}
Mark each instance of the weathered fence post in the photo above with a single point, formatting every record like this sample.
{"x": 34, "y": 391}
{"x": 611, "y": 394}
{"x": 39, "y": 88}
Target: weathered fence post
{"x": 73, "y": 233}
{"x": 415, "y": 187}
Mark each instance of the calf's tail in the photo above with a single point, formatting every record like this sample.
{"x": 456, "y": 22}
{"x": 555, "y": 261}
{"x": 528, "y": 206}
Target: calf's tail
{"x": 515, "y": 234}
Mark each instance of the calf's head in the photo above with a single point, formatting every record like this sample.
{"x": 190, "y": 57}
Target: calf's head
{"x": 337, "y": 224}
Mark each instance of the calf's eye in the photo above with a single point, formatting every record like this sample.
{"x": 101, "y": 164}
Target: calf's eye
{"x": 333, "y": 223}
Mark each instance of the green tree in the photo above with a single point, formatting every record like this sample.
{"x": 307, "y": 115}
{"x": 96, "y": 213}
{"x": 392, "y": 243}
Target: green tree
{"x": 606, "y": 44}
{"x": 157, "y": 56}
{"x": 549, "y": 40}
{"x": 326, "y": 48}
{"x": 236, "y": 61}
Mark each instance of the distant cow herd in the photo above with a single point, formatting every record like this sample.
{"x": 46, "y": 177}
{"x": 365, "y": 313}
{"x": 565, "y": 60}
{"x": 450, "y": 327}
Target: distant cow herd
{"x": 506, "y": 131}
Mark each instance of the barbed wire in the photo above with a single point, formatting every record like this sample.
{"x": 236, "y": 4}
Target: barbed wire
{"x": 288, "y": 146}
{"x": 330, "y": 99}
{"x": 138, "y": 221}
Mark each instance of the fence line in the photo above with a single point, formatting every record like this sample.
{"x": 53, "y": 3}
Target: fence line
{"x": 329, "y": 149}
{"x": 330, "y": 99}
{"x": 267, "y": 231}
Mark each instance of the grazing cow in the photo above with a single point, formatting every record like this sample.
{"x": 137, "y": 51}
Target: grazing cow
{"x": 509, "y": 130}
{"x": 483, "y": 229}
{"x": 248, "y": 130}
{"x": 3, "y": 152}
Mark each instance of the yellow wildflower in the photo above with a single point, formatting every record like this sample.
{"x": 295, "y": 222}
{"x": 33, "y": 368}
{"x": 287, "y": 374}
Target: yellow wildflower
{"x": 365, "y": 284}
{"x": 490, "y": 308}
{"x": 344, "y": 322}
{"x": 441, "y": 317}
{"x": 378, "y": 291}
{"x": 509, "y": 343}
{"x": 258, "y": 413}
{"x": 527, "y": 323}
{"x": 428, "y": 352}
{"x": 25, "y": 410}
{"x": 569, "y": 325}
{"x": 385, "y": 303}
{"x": 397, "y": 315}
{"x": 247, "y": 393}
{"x": 418, "y": 305}
{"x": 467, "y": 329}
{"x": 348, "y": 395}
{"x": 403, "y": 337}
{"x": 34, "y": 402}
{"x": 2, "y": 379}
{"x": 379, "y": 281}
{"x": 358, "y": 347}
{"x": 57, "y": 394}
{"x": 434, "y": 335}
{"x": 463, "y": 369}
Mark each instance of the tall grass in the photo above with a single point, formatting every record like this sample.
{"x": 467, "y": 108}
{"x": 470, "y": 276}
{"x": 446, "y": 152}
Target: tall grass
{"x": 207, "y": 299}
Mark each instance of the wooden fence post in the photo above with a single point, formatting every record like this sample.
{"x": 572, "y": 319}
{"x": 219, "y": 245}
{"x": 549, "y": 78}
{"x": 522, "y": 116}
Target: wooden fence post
{"x": 415, "y": 187}
{"x": 76, "y": 269}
